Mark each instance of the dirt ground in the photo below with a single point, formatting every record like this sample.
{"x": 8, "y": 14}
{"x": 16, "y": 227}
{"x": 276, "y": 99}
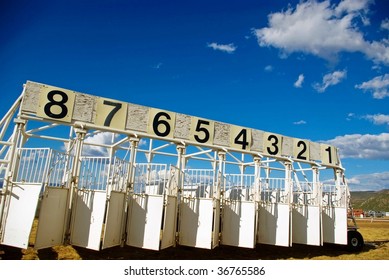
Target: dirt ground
{"x": 375, "y": 232}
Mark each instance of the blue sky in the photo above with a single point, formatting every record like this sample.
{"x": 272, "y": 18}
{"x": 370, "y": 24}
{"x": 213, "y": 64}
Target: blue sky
{"x": 307, "y": 69}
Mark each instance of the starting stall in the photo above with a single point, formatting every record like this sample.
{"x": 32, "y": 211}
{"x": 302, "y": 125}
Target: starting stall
{"x": 199, "y": 210}
{"x": 239, "y": 211}
{"x": 306, "y": 212}
{"x": 152, "y": 207}
{"x": 274, "y": 218}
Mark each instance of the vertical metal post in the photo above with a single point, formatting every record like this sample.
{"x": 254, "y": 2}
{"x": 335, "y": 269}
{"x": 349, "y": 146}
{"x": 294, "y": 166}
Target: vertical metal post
{"x": 218, "y": 194}
{"x": 340, "y": 195}
{"x": 129, "y": 189}
{"x": 316, "y": 186}
{"x": 220, "y": 172}
{"x": 317, "y": 194}
{"x": 257, "y": 178}
{"x": 181, "y": 163}
{"x": 257, "y": 192}
{"x": 110, "y": 177}
{"x": 75, "y": 173}
{"x": 289, "y": 193}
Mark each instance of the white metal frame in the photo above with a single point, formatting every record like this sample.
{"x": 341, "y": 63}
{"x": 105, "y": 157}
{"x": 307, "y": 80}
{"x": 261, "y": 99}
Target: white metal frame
{"x": 271, "y": 183}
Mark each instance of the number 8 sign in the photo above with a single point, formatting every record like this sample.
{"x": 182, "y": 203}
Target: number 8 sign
{"x": 56, "y": 104}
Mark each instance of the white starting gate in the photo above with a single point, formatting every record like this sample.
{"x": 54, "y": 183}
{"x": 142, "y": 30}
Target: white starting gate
{"x": 274, "y": 212}
{"x": 239, "y": 211}
{"x": 200, "y": 209}
{"x": 111, "y": 200}
{"x": 152, "y": 214}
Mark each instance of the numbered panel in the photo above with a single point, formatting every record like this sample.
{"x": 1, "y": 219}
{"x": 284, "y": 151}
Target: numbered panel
{"x": 64, "y": 105}
{"x": 329, "y": 155}
{"x": 272, "y": 144}
{"x": 111, "y": 113}
{"x": 240, "y": 138}
{"x": 301, "y": 149}
{"x": 56, "y": 104}
{"x": 202, "y": 131}
{"x": 161, "y": 123}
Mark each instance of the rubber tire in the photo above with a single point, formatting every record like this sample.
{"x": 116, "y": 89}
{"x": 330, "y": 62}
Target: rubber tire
{"x": 354, "y": 241}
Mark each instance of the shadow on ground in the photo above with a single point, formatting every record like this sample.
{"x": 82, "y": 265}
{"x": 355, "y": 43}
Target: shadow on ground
{"x": 264, "y": 252}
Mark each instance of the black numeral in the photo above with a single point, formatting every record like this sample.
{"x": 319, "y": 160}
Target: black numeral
{"x": 274, "y": 143}
{"x": 157, "y": 123}
{"x": 61, "y": 104}
{"x": 329, "y": 154}
{"x": 202, "y": 129}
{"x": 116, "y": 108}
{"x": 241, "y": 139}
{"x": 300, "y": 155}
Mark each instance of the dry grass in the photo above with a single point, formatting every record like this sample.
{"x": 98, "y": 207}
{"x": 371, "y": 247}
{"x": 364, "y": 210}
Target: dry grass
{"x": 375, "y": 233}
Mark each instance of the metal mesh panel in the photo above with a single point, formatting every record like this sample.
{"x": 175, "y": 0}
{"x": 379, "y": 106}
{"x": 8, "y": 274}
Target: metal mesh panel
{"x": 59, "y": 169}
{"x": 94, "y": 173}
{"x": 274, "y": 190}
{"x": 118, "y": 175}
{"x": 198, "y": 183}
{"x": 150, "y": 178}
{"x": 239, "y": 187}
{"x": 334, "y": 196}
{"x": 32, "y": 165}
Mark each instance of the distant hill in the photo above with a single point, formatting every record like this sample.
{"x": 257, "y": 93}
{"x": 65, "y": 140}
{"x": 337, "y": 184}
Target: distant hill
{"x": 371, "y": 200}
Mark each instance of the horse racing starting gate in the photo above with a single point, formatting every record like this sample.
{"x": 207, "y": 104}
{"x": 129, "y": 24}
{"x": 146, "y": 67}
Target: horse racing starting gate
{"x": 97, "y": 173}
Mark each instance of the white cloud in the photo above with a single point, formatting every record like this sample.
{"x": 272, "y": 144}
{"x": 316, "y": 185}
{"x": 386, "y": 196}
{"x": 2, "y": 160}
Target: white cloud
{"x": 379, "y": 86}
{"x": 385, "y": 24}
{"x": 230, "y": 48}
{"x": 158, "y": 66}
{"x": 322, "y": 29}
{"x": 378, "y": 119}
{"x": 99, "y": 138}
{"x": 362, "y": 146}
{"x": 299, "y": 82}
{"x": 330, "y": 79}
{"x": 369, "y": 182}
{"x": 300, "y": 122}
{"x": 269, "y": 68}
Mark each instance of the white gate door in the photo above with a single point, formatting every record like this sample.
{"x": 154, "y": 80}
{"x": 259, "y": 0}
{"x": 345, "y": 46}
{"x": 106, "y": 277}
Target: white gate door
{"x": 21, "y": 206}
{"x": 306, "y": 225}
{"x": 145, "y": 220}
{"x": 52, "y": 218}
{"x": 88, "y": 219}
{"x": 239, "y": 223}
{"x": 113, "y": 221}
{"x": 196, "y": 221}
{"x": 169, "y": 223}
{"x": 335, "y": 225}
{"x": 274, "y": 224}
